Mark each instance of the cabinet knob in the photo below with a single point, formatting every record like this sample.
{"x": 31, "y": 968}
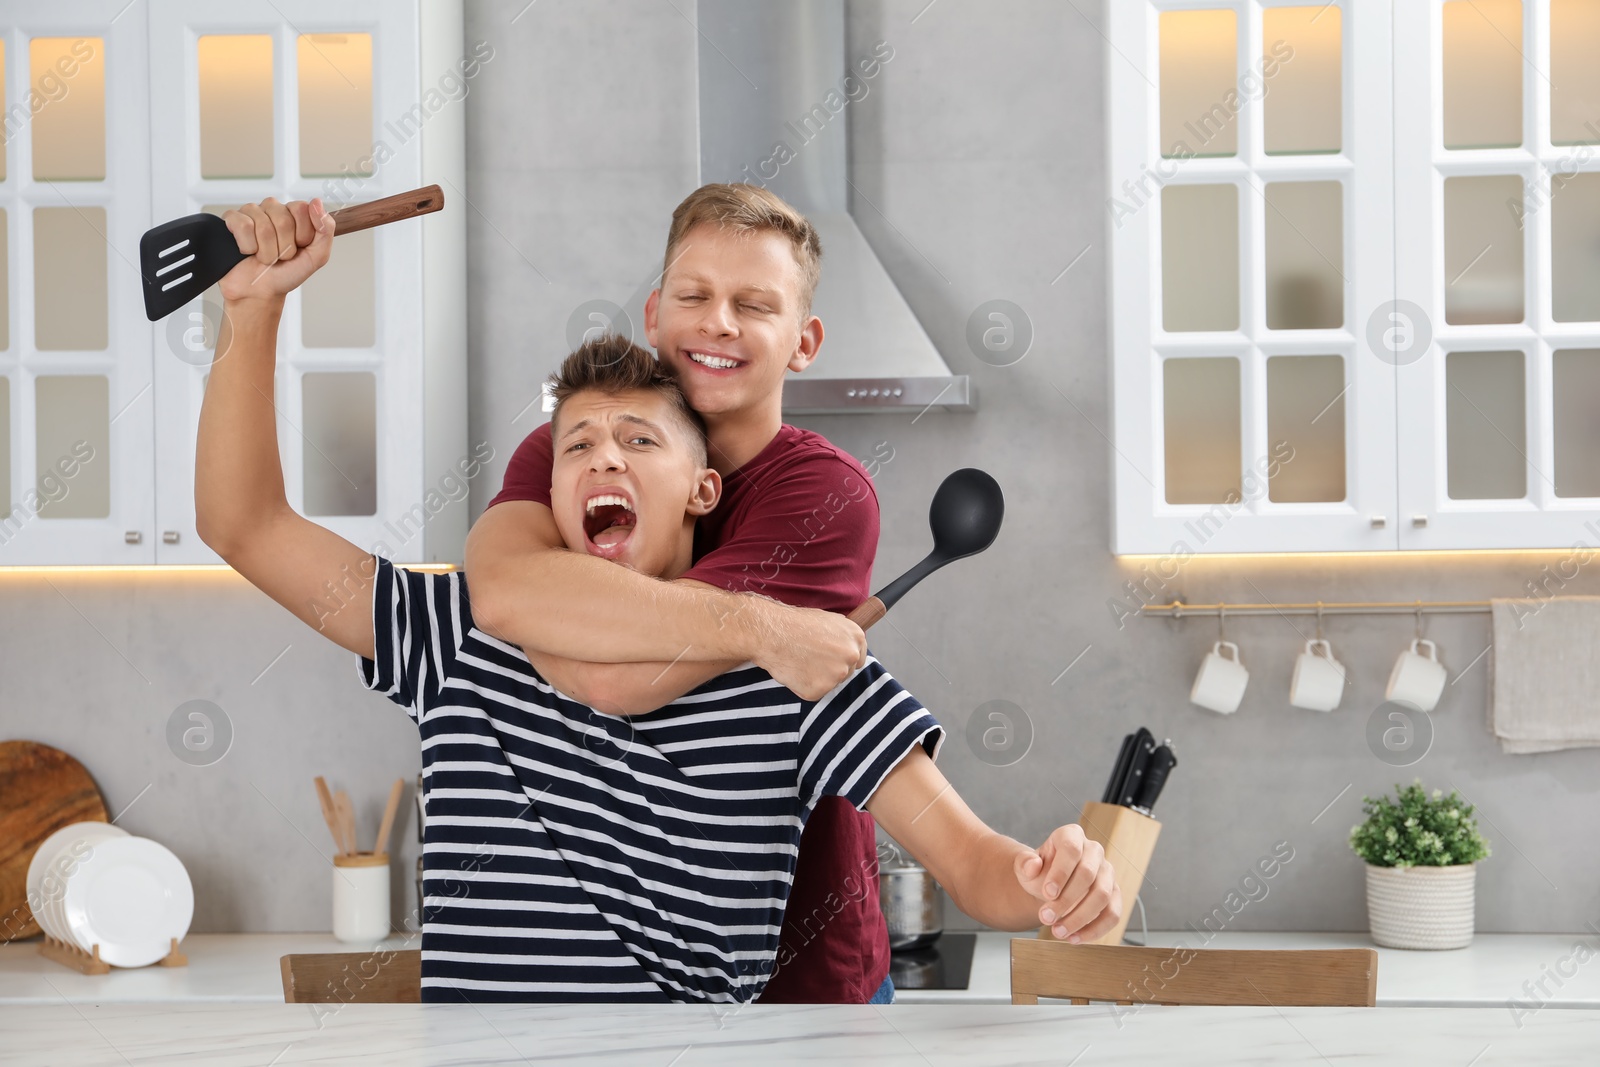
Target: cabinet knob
{"x": 169, "y": 537}
{"x": 1379, "y": 521}
{"x": 133, "y": 537}
{"x": 1419, "y": 520}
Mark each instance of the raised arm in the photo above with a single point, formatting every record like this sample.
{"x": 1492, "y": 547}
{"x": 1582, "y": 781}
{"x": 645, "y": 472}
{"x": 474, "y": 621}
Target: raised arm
{"x": 1065, "y": 883}
{"x": 240, "y": 507}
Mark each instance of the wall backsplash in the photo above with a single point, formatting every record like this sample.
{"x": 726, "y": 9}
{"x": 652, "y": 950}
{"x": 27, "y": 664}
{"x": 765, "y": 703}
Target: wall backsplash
{"x": 978, "y": 169}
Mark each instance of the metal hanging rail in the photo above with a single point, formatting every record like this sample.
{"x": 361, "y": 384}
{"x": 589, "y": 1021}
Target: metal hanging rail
{"x": 1178, "y": 609}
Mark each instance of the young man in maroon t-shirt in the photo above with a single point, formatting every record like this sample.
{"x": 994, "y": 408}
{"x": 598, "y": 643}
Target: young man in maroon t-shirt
{"x": 798, "y": 523}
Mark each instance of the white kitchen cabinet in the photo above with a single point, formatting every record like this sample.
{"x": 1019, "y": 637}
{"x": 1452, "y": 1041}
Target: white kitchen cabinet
{"x": 1497, "y": 179}
{"x": 1324, "y": 334}
{"x": 217, "y": 105}
{"x": 76, "y": 411}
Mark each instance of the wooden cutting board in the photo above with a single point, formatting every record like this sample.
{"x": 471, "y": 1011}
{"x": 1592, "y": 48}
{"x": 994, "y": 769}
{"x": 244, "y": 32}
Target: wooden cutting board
{"x": 42, "y": 789}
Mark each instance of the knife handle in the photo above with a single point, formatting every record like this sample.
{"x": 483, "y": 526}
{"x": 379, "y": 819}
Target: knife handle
{"x": 1161, "y": 763}
{"x": 1144, "y": 745}
{"x": 1119, "y": 770}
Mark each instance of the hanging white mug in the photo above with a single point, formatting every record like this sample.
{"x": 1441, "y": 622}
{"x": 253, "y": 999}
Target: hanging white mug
{"x": 1318, "y": 682}
{"x": 1219, "y": 685}
{"x": 1417, "y": 680}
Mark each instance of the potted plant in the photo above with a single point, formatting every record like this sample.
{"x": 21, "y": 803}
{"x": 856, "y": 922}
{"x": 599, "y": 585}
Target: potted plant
{"x": 1421, "y": 854}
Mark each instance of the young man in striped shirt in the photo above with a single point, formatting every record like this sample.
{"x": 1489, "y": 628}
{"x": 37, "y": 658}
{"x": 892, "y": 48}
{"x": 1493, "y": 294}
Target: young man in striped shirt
{"x": 599, "y": 856}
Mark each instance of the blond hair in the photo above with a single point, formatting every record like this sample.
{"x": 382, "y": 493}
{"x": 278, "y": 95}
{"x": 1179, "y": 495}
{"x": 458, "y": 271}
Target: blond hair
{"x": 744, "y": 208}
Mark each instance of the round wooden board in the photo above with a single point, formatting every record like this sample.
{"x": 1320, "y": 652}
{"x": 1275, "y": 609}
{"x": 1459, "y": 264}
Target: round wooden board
{"x": 42, "y": 789}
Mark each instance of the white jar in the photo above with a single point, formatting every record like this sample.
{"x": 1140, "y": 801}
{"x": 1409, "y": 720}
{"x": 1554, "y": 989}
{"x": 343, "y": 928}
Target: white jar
{"x": 361, "y": 897}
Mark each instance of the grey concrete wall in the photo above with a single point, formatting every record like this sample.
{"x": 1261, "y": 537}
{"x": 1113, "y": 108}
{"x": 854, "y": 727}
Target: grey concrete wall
{"x": 978, "y": 156}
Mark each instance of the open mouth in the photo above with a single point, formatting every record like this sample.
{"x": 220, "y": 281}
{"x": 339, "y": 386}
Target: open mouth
{"x": 608, "y": 522}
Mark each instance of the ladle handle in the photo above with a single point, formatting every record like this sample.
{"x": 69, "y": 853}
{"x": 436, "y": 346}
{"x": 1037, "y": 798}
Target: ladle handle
{"x": 868, "y": 613}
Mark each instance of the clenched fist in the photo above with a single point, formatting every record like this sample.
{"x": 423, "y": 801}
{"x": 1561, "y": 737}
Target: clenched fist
{"x": 285, "y": 243}
{"x": 809, "y": 650}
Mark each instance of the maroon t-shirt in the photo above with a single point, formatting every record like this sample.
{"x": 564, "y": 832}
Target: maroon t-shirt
{"x": 798, "y": 523}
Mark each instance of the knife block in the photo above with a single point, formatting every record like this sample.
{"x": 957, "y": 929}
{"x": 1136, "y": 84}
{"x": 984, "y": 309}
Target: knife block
{"x": 1129, "y": 840}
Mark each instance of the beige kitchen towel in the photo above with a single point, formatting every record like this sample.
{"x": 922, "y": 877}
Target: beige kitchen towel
{"x": 1544, "y": 686}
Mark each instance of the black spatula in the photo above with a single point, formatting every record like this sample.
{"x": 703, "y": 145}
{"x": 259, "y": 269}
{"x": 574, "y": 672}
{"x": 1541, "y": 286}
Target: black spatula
{"x": 181, "y": 259}
{"x": 965, "y": 516}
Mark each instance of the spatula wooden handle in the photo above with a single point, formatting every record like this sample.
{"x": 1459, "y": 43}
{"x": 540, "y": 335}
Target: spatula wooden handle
{"x": 868, "y": 613}
{"x": 390, "y": 209}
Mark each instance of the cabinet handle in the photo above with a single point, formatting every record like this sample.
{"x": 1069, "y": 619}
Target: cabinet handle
{"x": 169, "y": 537}
{"x": 133, "y": 537}
{"x": 1419, "y": 521}
{"x": 1379, "y": 521}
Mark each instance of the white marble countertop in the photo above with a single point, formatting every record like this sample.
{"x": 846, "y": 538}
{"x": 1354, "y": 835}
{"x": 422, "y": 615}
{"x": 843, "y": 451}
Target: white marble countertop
{"x": 118, "y": 1035}
{"x": 243, "y": 968}
{"x": 228, "y": 968}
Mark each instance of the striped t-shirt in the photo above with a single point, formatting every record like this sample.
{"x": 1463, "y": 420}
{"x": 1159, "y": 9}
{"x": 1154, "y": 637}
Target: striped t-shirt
{"x": 570, "y": 855}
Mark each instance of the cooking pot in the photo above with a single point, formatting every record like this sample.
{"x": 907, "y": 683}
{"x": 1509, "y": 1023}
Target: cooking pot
{"x": 910, "y": 899}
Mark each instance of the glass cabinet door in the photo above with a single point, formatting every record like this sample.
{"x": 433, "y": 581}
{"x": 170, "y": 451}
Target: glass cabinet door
{"x": 293, "y": 99}
{"x": 76, "y": 411}
{"x": 1251, "y": 234}
{"x": 1498, "y": 259}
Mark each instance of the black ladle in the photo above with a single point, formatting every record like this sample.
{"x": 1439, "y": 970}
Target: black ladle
{"x": 965, "y": 518}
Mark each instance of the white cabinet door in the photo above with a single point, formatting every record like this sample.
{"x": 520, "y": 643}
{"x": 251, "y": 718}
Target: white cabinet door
{"x": 76, "y": 407}
{"x": 1498, "y": 262}
{"x": 1251, "y": 230}
{"x": 297, "y": 99}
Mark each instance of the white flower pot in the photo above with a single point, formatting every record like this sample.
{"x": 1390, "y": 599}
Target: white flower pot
{"x": 1421, "y": 907}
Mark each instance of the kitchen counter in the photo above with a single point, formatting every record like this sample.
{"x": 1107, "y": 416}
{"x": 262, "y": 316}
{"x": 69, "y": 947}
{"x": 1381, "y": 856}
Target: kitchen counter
{"x": 227, "y": 968}
{"x": 395, "y": 1035}
{"x": 235, "y": 968}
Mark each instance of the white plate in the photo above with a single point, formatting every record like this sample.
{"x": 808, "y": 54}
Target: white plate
{"x": 131, "y": 896}
{"x": 39, "y": 863}
{"x": 54, "y": 857}
{"x": 68, "y": 859}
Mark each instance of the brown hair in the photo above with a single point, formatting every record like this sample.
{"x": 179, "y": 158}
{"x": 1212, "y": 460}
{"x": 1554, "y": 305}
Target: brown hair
{"x": 745, "y": 208}
{"x": 613, "y": 364}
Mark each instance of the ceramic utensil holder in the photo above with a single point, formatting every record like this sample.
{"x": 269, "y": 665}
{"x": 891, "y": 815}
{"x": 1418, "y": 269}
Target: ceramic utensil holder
{"x": 1129, "y": 839}
{"x": 361, "y": 896}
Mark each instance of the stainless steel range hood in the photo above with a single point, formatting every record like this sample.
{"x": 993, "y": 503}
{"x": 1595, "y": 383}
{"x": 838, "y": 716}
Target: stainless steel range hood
{"x": 774, "y": 111}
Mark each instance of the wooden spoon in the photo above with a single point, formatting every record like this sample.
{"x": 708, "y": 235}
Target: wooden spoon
{"x": 381, "y": 846}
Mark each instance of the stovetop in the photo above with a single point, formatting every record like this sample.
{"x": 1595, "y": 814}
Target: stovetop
{"x": 945, "y": 964}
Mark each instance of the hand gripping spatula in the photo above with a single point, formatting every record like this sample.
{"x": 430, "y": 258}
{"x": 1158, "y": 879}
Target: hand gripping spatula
{"x": 181, "y": 259}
